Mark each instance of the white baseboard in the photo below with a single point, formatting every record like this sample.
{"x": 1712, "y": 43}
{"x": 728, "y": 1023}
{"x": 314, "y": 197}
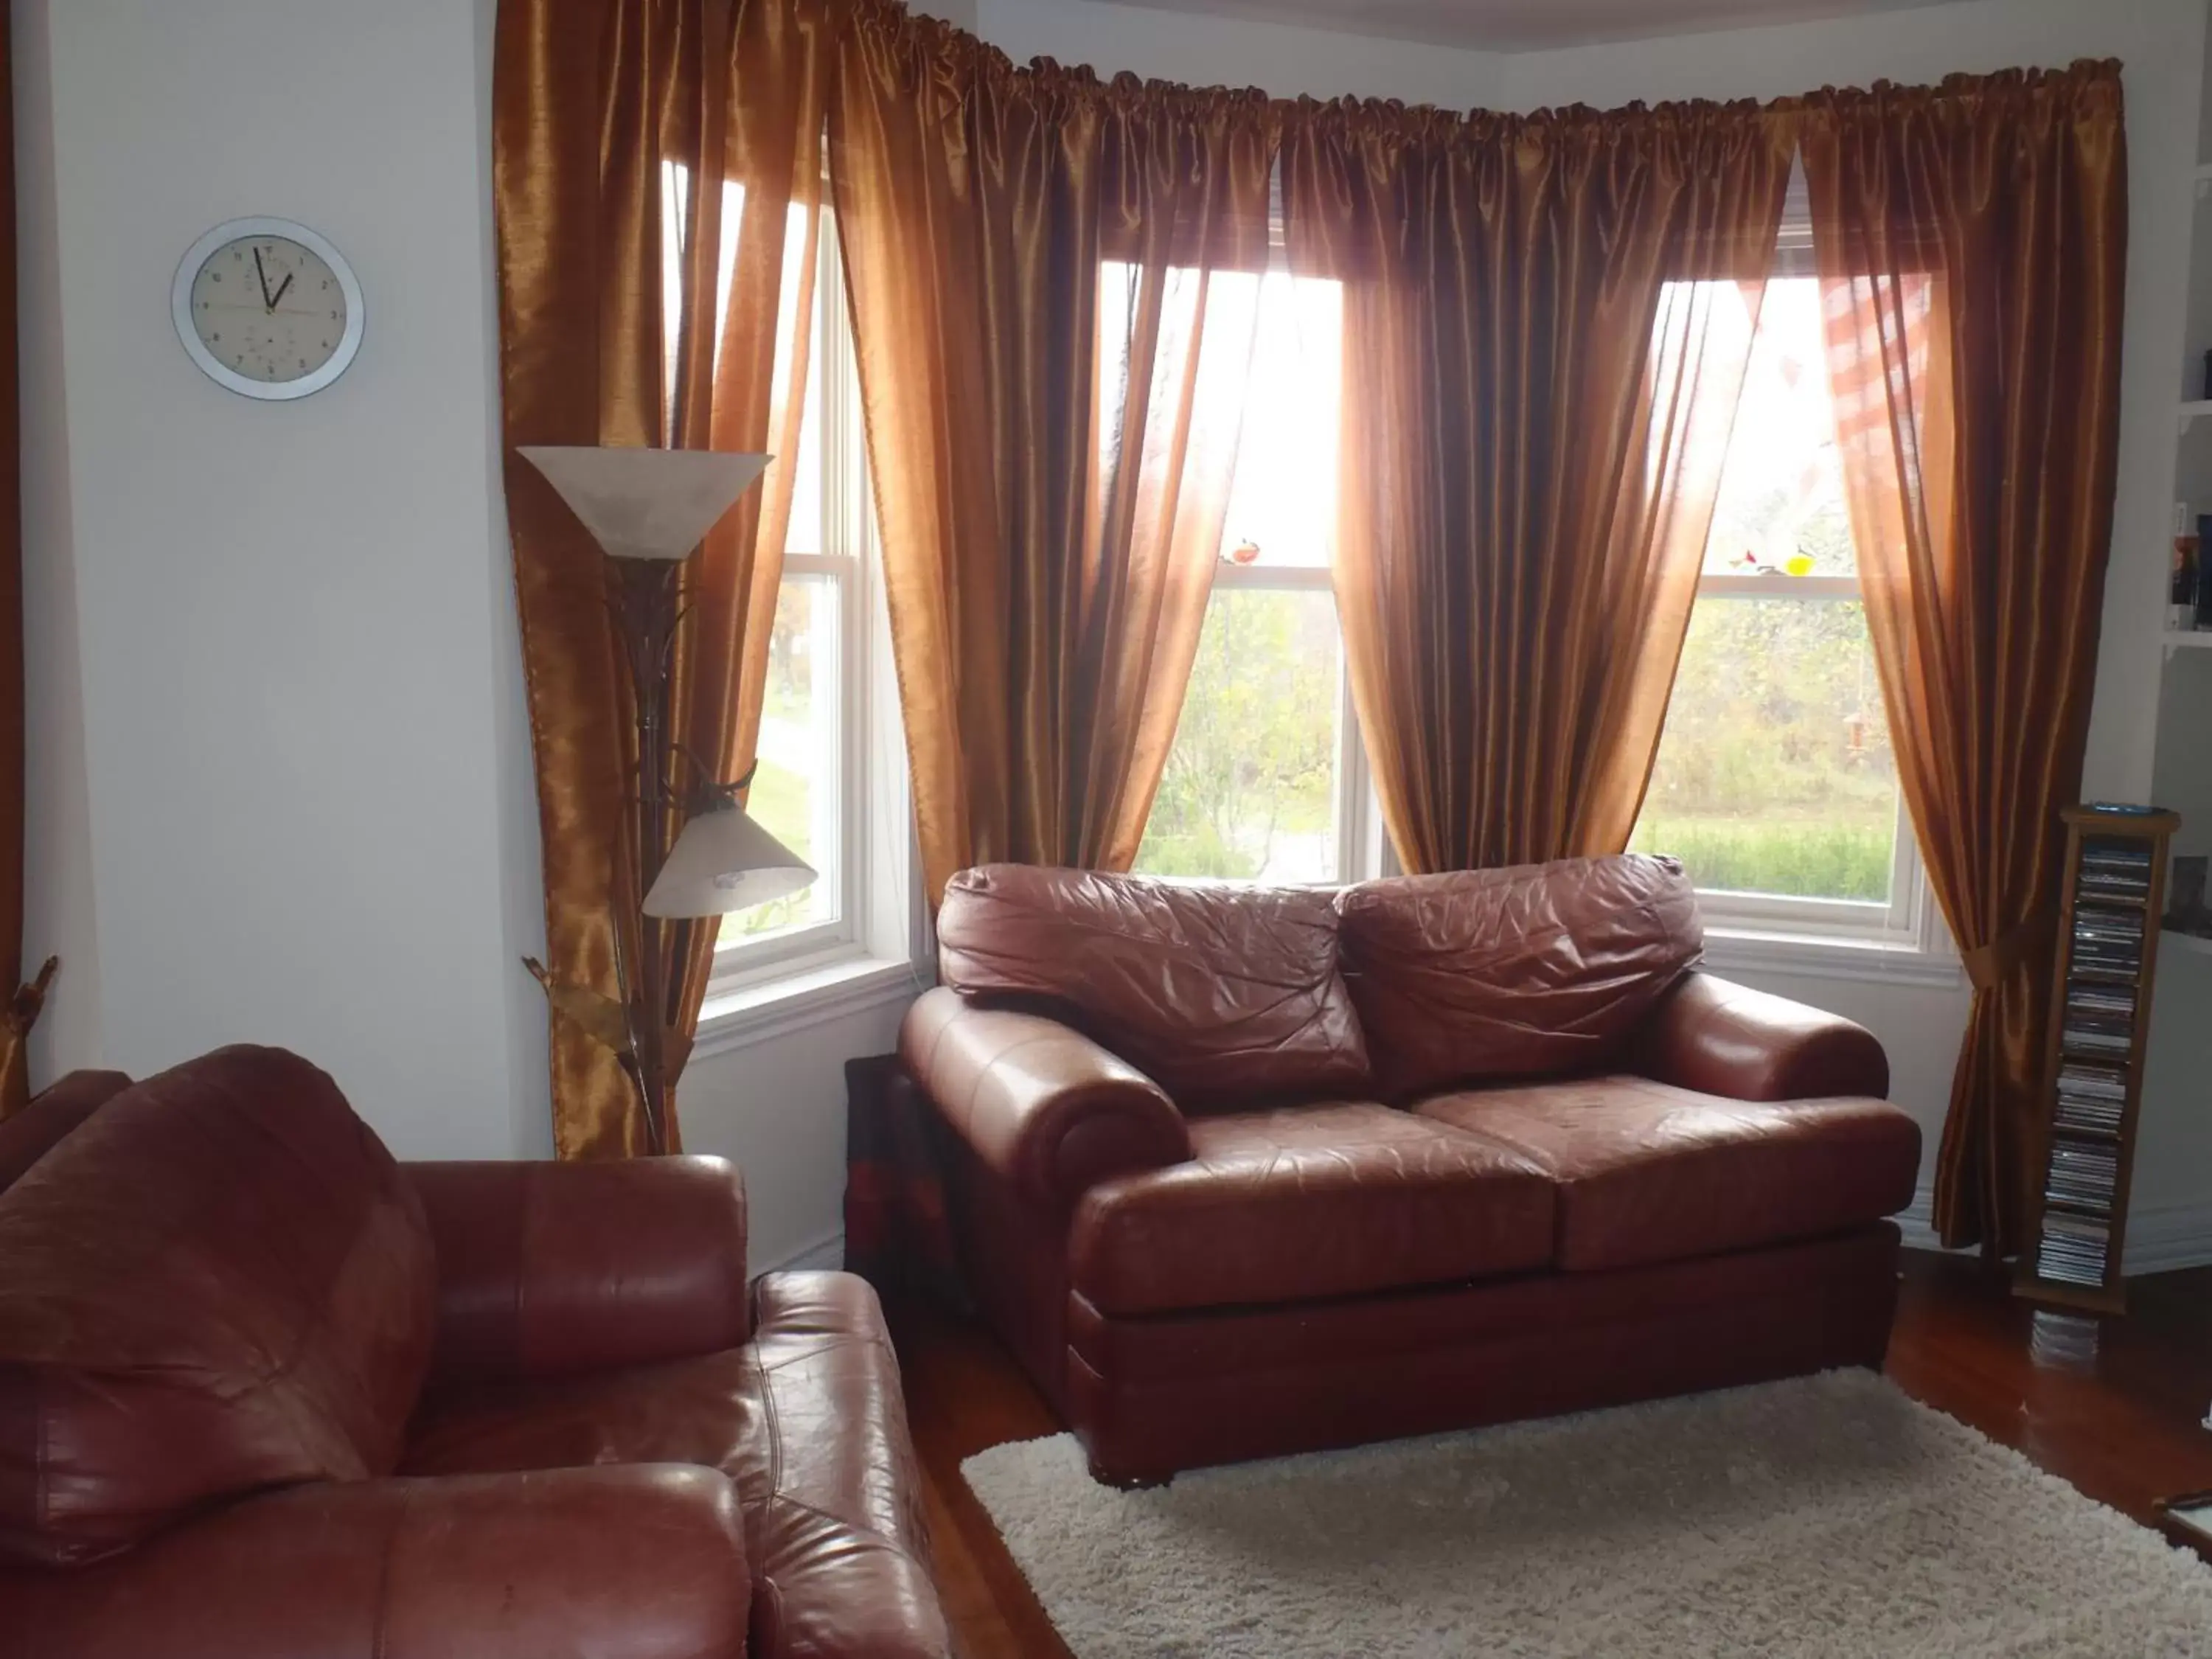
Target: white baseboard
{"x": 2176, "y": 1236}
{"x": 825, "y": 1253}
{"x": 2159, "y": 1241}
{"x": 1918, "y": 1222}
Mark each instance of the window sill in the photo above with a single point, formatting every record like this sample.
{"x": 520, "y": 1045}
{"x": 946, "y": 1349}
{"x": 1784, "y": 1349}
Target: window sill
{"x": 1813, "y": 956}
{"x": 808, "y": 994}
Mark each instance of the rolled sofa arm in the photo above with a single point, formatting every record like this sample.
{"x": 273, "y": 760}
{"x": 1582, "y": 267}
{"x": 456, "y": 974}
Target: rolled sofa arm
{"x": 1721, "y": 1038}
{"x": 644, "y": 1562}
{"x": 548, "y": 1269}
{"x": 1038, "y": 1102}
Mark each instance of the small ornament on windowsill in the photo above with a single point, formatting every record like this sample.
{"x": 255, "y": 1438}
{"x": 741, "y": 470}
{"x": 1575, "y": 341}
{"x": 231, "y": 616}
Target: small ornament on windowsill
{"x": 1245, "y": 552}
{"x": 1748, "y": 563}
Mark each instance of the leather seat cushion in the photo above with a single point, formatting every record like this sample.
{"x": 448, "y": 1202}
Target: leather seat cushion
{"x": 1302, "y": 1202}
{"x": 1223, "y": 995}
{"x": 1537, "y": 970}
{"x": 1649, "y": 1173}
{"x": 807, "y": 1421}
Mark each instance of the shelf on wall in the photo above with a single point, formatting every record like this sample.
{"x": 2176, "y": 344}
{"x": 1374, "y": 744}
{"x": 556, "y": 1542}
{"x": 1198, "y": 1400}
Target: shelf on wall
{"x": 2193, "y": 410}
{"x": 2177, "y": 639}
{"x": 2195, "y": 943}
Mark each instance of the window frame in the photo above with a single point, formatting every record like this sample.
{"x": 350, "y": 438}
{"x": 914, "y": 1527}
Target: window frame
{"x": 745, "y": 964}
{"x": 1363, "y": 846}
{"x": 1360, "y": 853}
{"x": 1780, "y": 930}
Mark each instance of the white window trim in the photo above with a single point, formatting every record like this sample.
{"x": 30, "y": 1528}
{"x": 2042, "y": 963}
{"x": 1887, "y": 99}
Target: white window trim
{"x": 802, "y": 998}
{"x": 874, "y": 955}
{"x": 1809, "y": 938}
{"x": 1929, "y": 962}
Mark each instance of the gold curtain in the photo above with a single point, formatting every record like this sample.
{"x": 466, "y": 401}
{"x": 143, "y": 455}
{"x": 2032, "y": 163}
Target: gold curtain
{"x": 1053, "y": 288}
{"x": 650, "y": 160}
{"x": 1972, "y": 242}
{"x": 1536, "y": 404}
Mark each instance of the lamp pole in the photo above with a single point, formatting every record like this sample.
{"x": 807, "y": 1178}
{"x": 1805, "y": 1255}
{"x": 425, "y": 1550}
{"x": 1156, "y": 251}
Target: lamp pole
{"x": 646, "y": 596}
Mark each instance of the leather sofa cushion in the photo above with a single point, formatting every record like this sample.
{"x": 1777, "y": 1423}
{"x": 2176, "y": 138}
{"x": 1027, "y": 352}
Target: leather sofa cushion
{"x": 808, "y": 1423}
{"x": 1649, "y": 1173}
{"x": 1222, "y": 995}
{"x": 1532, "y": 971}
{"x": 219, "y": 1281}
{"x": 1302, "y": 1202}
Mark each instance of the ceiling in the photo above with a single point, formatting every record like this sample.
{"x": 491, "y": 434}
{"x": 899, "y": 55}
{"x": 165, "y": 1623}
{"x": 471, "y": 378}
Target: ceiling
{"x": 1526, "y": 25}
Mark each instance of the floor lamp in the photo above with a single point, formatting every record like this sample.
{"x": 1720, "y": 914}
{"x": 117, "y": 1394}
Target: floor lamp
{"x": 649, "y": 509}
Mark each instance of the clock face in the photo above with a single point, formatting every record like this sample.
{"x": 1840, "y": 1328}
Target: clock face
{"x": 268, "y": 308}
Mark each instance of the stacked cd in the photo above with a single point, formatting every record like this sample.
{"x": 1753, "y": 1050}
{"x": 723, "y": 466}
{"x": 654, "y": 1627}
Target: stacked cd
{"x": 2114, "y": 867}
{"x": 2092, "y": 1096}
{"x": 2082, "y": 1173}
{"x": 2073, "y": 1248}
{"x": 2097, "y": 1044}
{"x": 2108, "y": 942}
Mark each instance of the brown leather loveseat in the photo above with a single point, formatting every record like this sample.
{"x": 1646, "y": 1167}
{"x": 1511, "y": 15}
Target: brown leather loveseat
{"x": 265, "y": 1394}
{"x": 1237, "y": 1171}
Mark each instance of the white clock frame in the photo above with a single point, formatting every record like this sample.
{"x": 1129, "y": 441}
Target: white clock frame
{"x": 233, "y": 230}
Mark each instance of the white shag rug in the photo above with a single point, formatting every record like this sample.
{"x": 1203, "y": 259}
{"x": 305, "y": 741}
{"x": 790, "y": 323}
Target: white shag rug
{"x": 1830, "y": 1515}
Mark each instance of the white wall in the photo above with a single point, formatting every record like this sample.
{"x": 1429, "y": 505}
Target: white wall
{"x": 273, "y": 661}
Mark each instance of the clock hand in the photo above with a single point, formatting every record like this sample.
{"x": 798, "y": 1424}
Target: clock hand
{"x": 261, "y": 276}
{"x": 281, "y": 288}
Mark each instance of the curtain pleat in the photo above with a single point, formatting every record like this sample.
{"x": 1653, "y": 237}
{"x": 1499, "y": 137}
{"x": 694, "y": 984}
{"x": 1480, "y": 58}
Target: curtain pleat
{"x": 651, "y": 160}
{"x": 1536, "y": 406}
{"x": 1973, "y": 245}
{"x": 1054, "y": 290}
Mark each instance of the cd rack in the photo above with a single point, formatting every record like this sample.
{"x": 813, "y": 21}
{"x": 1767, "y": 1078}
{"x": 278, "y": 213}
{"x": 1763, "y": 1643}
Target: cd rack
{"x": 2115, "y": 885}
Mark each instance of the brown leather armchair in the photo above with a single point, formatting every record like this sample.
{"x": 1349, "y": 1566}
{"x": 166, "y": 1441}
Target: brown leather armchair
{"x": 264, "y": 1392}
{"x": 1241, "y": 1171}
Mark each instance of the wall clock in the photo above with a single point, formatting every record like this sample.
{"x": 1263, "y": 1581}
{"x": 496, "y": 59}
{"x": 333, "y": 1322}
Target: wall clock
{"x": 268, "y": 308}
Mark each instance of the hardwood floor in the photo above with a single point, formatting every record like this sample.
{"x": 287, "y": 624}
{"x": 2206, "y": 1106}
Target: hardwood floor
{"x": 2113, "y": 1405}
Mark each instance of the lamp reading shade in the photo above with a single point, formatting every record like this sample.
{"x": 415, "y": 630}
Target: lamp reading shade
{"x": 646, "y": 503}
{"x": 723, "y": 861}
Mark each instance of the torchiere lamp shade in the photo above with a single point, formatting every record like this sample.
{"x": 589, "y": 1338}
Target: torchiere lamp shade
{"x": 723, "y": 861}
{"x": 646, "y": 503}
